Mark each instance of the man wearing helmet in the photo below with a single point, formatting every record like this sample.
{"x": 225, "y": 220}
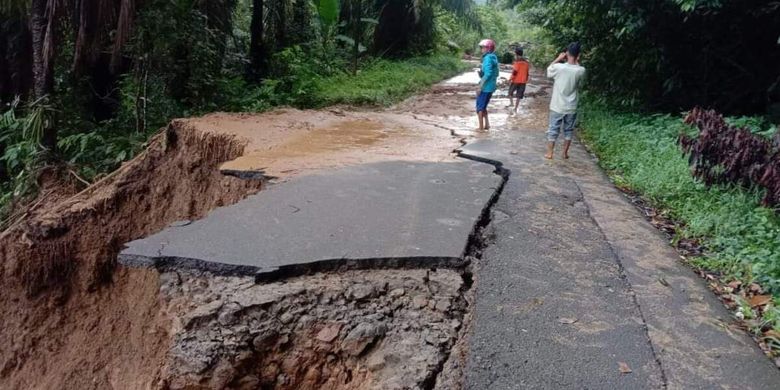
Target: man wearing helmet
{"x": 487, "y": 82}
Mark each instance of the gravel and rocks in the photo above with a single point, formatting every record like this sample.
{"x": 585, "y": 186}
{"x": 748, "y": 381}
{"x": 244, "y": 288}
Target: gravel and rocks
{"x": 372, "y": 329}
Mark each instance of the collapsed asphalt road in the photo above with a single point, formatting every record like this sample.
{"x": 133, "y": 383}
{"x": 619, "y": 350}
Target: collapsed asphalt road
{"x": 412, "y": 214}
{"x": 362, "y": 277}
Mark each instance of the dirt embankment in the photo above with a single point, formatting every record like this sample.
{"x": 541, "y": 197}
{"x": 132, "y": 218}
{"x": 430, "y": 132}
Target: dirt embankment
{"x": 69, "y": 318}
{"x": 72, "y": 319}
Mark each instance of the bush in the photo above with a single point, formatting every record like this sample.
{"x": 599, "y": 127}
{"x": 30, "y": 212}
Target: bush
{"x": 721, "y": 153}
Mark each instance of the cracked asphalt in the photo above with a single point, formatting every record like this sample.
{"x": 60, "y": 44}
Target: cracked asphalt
{"x": 567, "y": 290}
{"x": 401, "y": 213}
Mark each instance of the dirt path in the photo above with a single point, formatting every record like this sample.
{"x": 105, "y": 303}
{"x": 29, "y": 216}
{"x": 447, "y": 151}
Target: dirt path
{"x": 557, "y": 286}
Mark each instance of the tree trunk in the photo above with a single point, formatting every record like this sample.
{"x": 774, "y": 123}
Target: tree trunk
{"x": 5, "y": 69}
{"x": 43, "y": 81}
{"x": 301, "y": 33}
{"x": 43, "y": 71}
{"x": 258, "y": 54}
{"x": 5, "y": 87}
{"x": 356, "y": 12}
{"x": 17, "y": 70}
{"x": 280, "y": 26}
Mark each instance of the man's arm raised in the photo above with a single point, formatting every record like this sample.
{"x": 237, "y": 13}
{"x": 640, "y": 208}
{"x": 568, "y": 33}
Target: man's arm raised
{"x": 551, "y": 71}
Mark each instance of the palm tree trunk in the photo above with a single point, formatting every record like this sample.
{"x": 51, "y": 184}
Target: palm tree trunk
{"x": 301, "y": 22}
{"x": 257, "y": 51}
{"x": 43, "y": 70}
{"x": 17, "y": 72}
{"x": 280, "y": 26}
{"x": 42, "y": 74}
{"x": 356, "y": 12}
{"x": 5, "y": 69}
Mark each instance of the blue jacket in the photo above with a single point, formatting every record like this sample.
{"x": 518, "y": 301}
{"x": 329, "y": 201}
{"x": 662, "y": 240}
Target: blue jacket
{"x": 489, "y": 72}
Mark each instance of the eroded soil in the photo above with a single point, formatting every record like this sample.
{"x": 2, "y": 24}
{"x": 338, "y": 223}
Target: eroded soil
{"x": 73, "y": 319}
{"x": 70, "y": 317}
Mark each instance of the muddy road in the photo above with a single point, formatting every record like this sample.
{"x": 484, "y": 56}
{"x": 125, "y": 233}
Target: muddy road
{"x": 358, "y": 249}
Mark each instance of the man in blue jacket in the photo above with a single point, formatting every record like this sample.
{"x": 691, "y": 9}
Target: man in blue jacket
{"x": 487, "y": 82}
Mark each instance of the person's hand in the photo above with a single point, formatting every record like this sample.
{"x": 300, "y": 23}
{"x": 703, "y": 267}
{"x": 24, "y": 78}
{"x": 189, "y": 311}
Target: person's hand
{"x": 561, "y": 57}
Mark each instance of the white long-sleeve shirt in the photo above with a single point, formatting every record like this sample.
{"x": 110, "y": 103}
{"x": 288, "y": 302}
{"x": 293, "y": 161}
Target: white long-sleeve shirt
{"x": 568, "y": 79}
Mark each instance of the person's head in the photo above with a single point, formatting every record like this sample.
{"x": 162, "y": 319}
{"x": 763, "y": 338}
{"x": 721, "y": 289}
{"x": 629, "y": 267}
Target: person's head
{"x": 573, "y": 51}
{"x": 518, "y": 52}
{"x": 487, "y": 46}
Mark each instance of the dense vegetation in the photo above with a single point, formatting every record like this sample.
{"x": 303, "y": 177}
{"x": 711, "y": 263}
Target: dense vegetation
{"x": 672, "y": 55}
{"x": 85, "y": 82}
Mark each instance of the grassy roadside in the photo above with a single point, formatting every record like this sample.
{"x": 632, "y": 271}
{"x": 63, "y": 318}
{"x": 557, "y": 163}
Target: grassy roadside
{"x": 742, "y": 238}
{"x": 385, "y": 82}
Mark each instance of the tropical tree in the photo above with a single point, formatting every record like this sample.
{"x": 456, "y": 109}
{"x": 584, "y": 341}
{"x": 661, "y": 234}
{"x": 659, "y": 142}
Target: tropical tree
{"x": 672, "y": 54}
{"x": 406, "y": 27}
{"x": 92, "y": 20}
{"x": 258, "y": 53}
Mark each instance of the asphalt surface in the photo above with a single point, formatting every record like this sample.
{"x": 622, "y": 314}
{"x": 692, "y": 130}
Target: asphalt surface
{"x": 393, "y": 213}
{"x": 575, "y": 282}
{"x": 552, "y": 309}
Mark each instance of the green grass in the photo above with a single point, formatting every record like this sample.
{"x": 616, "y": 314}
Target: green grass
{"x": 640, "y": 151}
{"x": 384, "y": 82}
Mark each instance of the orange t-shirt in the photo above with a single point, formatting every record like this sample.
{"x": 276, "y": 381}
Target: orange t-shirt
{"x": 519, "y": 72}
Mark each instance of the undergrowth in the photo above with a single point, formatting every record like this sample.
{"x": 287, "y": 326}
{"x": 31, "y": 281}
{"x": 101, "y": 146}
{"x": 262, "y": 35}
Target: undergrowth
{"x": 742, "y": 238}
{"x": 384, "y": 82}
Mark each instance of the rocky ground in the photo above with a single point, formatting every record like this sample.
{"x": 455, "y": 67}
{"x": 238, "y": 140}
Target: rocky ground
{"x": 377, "y": 329}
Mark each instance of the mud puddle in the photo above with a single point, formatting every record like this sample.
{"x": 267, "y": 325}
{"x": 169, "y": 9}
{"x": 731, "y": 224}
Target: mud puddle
{"x": 288, "y": 142}
{"x": 451, "y": 105}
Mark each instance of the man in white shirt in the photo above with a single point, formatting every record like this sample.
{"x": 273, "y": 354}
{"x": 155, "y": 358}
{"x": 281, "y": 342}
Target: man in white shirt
{"x": 568, "y": 77}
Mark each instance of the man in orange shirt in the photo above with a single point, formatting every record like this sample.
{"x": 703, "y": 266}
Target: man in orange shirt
{"x": 518, "y": 79}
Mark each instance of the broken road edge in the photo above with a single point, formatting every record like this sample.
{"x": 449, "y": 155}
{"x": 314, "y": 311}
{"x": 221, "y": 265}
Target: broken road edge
{"x": 265, "y": 275}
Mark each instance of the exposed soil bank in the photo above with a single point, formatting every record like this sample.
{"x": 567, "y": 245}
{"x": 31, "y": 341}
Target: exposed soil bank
{"x": 69, "y": 318}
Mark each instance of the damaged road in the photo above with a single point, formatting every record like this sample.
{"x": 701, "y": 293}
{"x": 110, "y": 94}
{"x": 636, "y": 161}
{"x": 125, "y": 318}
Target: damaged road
{"x": 360, "y": 329}
{"x": 577, "y": 290}
{"x": 400, "y": 214}
{"x": 363, "y": 251}
{"x": 361, "y": 276}
{"x": 345, "y": 276}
